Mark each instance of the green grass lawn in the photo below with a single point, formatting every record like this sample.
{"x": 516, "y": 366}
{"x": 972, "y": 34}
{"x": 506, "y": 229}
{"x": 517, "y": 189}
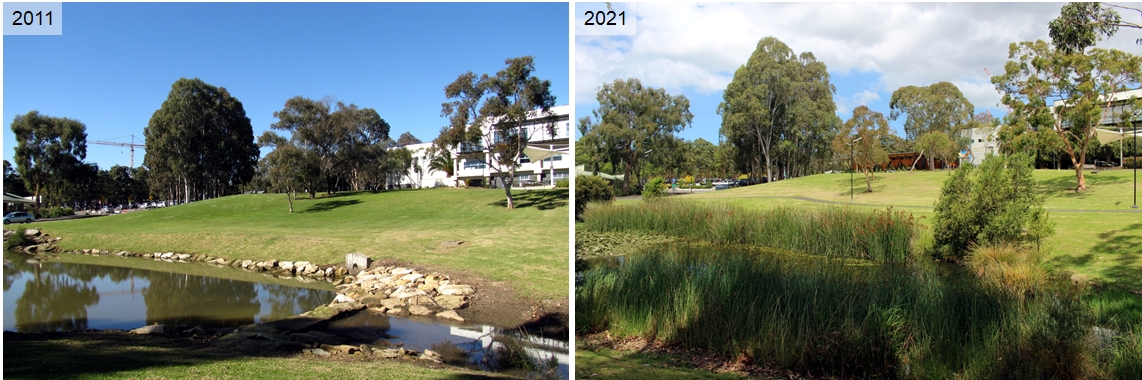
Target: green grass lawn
{"x": 606, "y": 363}
{"x": 526, "y": 247}
{"x": 1105, "y": 246}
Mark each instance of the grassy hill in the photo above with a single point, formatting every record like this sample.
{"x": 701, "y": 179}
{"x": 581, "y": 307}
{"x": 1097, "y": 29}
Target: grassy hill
{"x": 1096, "y": 232}
{"x": 526, "y": 247}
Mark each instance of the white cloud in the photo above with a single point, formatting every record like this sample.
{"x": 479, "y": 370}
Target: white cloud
{"x": 696, "y": 48}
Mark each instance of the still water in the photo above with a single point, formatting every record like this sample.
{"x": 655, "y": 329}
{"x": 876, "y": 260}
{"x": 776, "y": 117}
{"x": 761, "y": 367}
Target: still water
{"x": 65, "y": 296}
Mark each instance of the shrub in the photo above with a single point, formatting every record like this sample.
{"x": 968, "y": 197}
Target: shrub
{"x": 591, "y": 189}
{"x": 1132, "y": 162}
{"x": 992, "y": 205}
{"x": 655, "y": 189}
{"x": 55, "y": 212}
{"x": 563, "y": 183}
{"x": 18, "y": 239}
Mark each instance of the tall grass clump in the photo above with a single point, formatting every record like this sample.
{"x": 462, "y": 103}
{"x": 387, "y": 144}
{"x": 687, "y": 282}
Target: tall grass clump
{"x": 829, "y": 231}
{"x": 829, "y": 316}
{"x": 18, "y": 239}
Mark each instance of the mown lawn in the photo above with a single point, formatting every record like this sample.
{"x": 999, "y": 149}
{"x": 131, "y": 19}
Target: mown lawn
{"x": 1096, "y": 233}
{"x": 526, "y": 247}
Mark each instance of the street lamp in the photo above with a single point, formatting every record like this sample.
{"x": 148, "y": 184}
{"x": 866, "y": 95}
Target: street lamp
{"x": 852, "y": 167}
{"x": 1135, "y": 161}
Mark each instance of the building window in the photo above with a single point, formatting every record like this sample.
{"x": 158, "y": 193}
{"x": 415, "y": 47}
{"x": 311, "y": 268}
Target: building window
{"x": 473, "y": 164}
{"x": 523, "y": 159}
{"x": 556, "y": 158}
{"x": 561, "y": 175}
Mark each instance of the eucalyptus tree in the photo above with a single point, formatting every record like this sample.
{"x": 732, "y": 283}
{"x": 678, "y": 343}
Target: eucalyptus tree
{"x": 936, "y": 107}
{"x": 861, "y": 138}
{"x": 1080, "y": 25}
{"x": 936, "y": 144}
{"x": 200, "y": 144}
{"x": 501, "y": 112}
{"x": 407, "y": 139}
{"x": 344, "y": 139}
{"x": 47, "y": 149}
{"x": 1083, "y": 83}
{"x": 636, "y": 123}
{"x": 13, "y": 182}
{"x": 288, "y": 167}
{"x": 779, "y": 106}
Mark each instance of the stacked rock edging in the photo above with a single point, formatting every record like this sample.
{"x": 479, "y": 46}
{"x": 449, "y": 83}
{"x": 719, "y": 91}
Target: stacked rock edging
{"x": 403, "y": 291}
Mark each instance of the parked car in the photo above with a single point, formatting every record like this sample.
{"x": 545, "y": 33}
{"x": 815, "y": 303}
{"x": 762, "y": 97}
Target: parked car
{"x": 19, "y": 217}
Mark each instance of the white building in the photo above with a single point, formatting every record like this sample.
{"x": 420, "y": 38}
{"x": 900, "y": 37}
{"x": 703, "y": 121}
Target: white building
{"x": 472, "y": 158}
{"x": 984, "y": 141}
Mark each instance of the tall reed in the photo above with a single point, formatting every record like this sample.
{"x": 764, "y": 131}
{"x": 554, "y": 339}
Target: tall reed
{"x": 830, "y": 231}
{"x": 832, "y": 317}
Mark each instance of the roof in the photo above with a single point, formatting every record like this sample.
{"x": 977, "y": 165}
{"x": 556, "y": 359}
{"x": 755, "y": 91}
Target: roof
{"x": 12, "y": 198}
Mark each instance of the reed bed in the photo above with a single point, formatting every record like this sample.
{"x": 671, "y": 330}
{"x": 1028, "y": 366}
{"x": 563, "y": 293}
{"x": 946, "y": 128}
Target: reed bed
{"x": 883, "y": 236}
{"x": 829, "y": 316}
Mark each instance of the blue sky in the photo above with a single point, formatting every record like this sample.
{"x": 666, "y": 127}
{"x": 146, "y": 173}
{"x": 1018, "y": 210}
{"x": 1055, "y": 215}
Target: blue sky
{"x": 870, "y": 49}
{"x": 112, "y": 74}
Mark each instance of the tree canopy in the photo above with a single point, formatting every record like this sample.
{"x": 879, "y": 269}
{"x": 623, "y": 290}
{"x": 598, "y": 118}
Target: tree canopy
{"x": 347, "y": 141}
{"x": 634, "y": 123}
{"x": 1083, "y": 83}
{"x": 937, "y": 107}
{"x": 861, "y": 138}
{"x": 200, "y": 144}
{"x": 48, "y": 151}
{"x": 502, "y": 112}
{"x": 778, "y": 111}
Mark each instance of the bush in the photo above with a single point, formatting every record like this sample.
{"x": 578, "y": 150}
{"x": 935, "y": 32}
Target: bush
{"x": 1014, "y": 269}
{"x": 655, "y": 189}
{"x": 55, "y": 212}
{"x": 989, "y": 206}
{"x": 563, "y": 183}
{"x": 591, "y": 189}
{"x": 18, "y": 239}
{"x": 1132, "y": 162}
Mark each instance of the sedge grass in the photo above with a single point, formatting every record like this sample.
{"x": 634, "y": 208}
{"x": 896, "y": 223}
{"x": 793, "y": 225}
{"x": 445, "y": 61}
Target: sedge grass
{"x": 831, "y": 316}
{"x": 829, "y": 231}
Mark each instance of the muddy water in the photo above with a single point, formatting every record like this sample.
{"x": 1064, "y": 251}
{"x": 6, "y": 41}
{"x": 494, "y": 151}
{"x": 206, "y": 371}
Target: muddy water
{"x": 66, "y": 296}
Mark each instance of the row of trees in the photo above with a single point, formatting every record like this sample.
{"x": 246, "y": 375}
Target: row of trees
{"x": 779, "y": 118}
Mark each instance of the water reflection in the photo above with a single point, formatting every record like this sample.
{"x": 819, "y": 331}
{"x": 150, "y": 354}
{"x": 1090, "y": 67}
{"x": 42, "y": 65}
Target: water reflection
{"x": 57, "y": 296}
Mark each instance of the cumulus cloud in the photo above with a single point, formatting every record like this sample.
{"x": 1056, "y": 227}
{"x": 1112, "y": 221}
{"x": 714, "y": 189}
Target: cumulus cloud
{"x": 696, "y": 48}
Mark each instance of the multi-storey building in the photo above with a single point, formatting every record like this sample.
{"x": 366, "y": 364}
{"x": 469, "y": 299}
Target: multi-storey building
{"x": 472, "y": 159}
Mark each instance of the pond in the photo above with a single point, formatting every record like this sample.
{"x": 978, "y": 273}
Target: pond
{"x": 83, "y": 292}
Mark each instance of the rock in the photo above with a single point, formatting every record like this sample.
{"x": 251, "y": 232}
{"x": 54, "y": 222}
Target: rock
{"x": 432, "y": 359}
{"x": 329, "y": 272}
{"x": 340, "y": 349}
{"x": 427, "y": 288}
{"x": 395, "y": 311}
{"x": 166, "y": 255}
{"x": 400, "y": 271}
{"x": 287, "y": 265}
{"x": 450, "y": 314}
{"x": 343, "y": 298}
{"x": 374, "y": 301}
{"x": 451, "y": 290}
{"x": 147, "y": 330}
{"x": 412, "y": 277}
{"x": 392, "y": 303}
{"x": 420, "y": 310}
{"x": 408, "y": 293}
{"x": 451, "y": 302}
{"x": 366, "y": 350}
{"x": 341, "y": 271}
{"x": 389, "y": 353}
{"x": 32, "y": 232}
{"x": 246, "y": 263}
{"x": 319, "y": 352}
{"x": 421, "y": 300}
{"x": 183, "y": 256}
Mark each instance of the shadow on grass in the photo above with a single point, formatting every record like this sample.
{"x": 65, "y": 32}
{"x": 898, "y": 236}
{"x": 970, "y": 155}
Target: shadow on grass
{"x": 331, "y": 205}
{"x": 1065, "y": 185}
{"x": 540, "y": 199}
{"x": 72, "y": 355}
{"x": 1123, "y": 249}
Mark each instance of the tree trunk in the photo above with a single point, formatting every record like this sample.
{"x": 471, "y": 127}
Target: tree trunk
{"x": 868, "y": 179}
{"x": 290, "y": 200}
{"x": 915, "y": 161}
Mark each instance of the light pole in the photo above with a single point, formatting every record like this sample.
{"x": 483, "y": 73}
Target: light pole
{"x": 1135, "y": 162}
{"x": 852, "y": 167}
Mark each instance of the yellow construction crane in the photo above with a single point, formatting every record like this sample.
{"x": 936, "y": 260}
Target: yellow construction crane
{"x": 131, "y": 145}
